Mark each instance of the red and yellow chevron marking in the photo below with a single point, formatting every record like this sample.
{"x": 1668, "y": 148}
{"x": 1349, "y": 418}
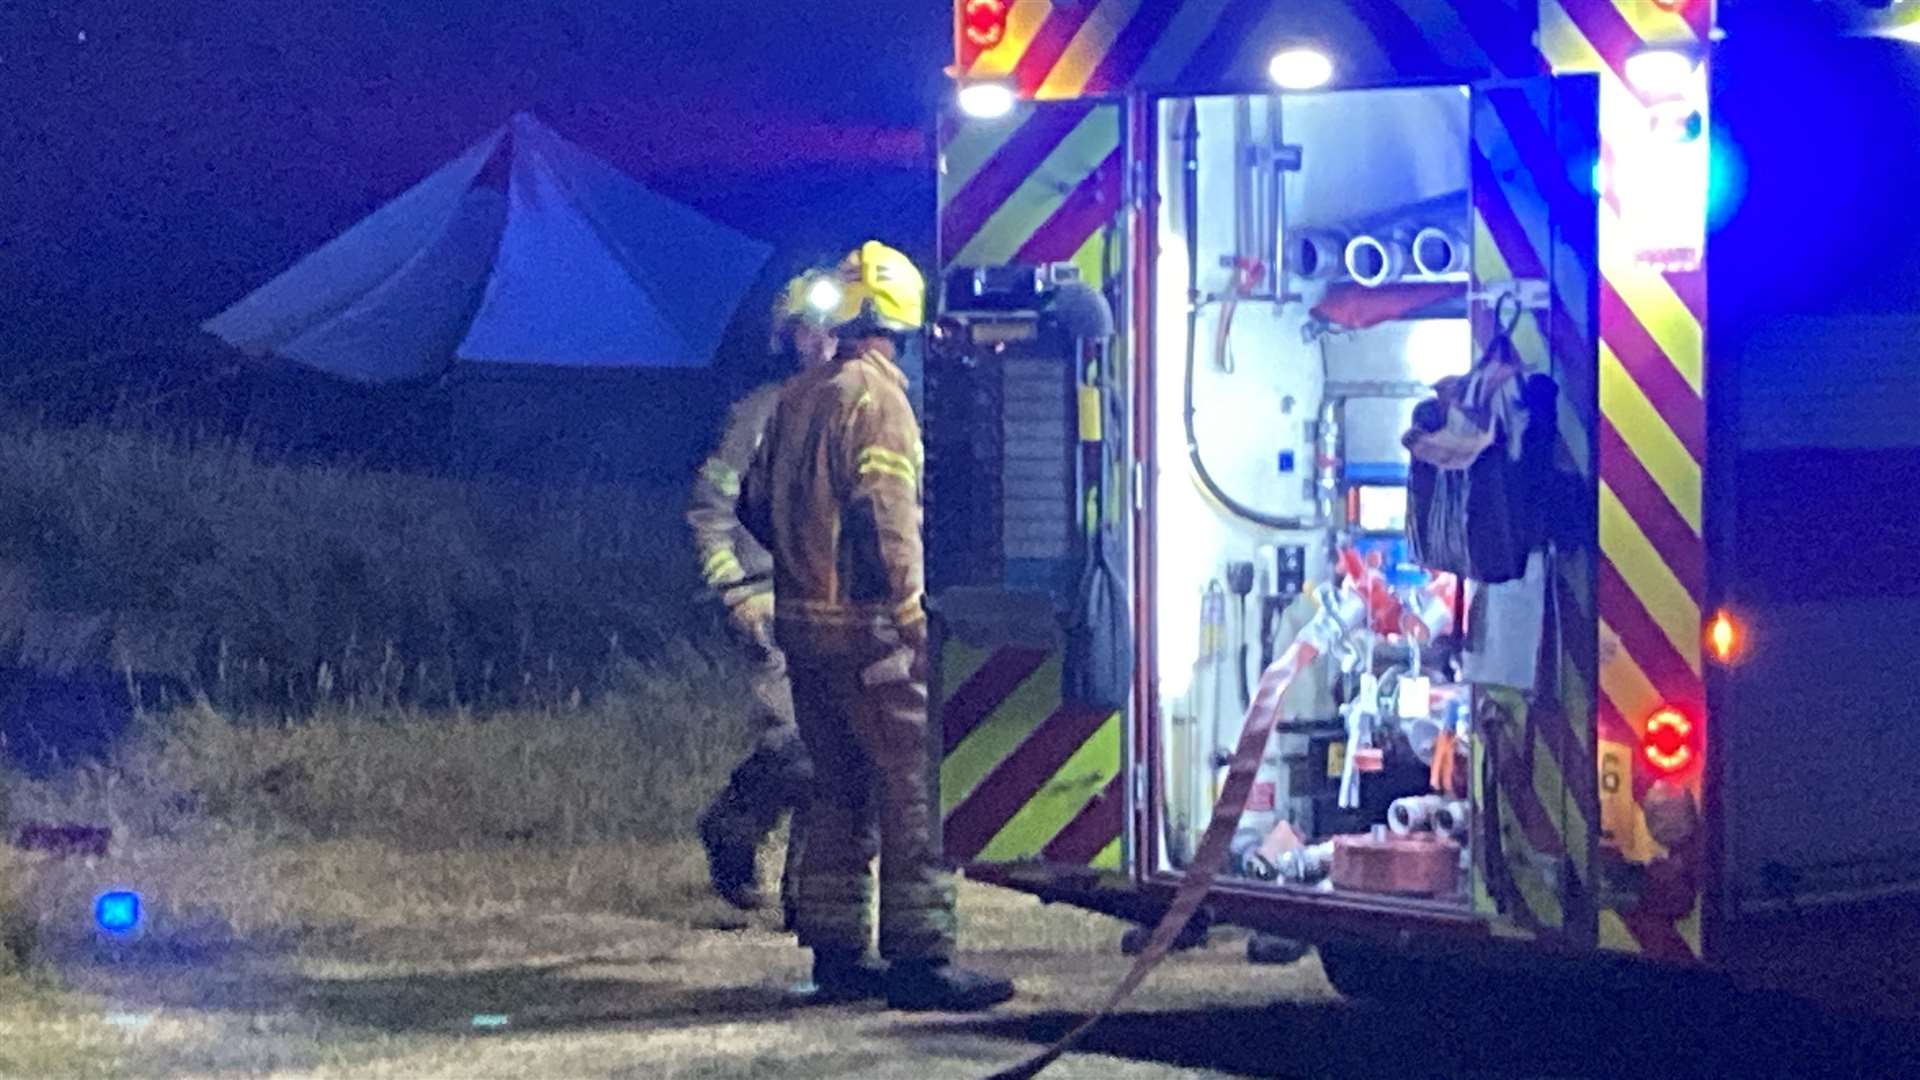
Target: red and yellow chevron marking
{"x": 1043, "y": 184}
{"x": 1651, "y": 444}
{"x": 1057, "y": 50}
{"x": 1532, "y": 221}
{"x": 1024, "y": 776}
{"x": 1040, "y": 186}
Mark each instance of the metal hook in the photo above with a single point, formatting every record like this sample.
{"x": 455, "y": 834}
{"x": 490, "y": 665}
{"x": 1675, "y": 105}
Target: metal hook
{"x": 1504, "y": 325}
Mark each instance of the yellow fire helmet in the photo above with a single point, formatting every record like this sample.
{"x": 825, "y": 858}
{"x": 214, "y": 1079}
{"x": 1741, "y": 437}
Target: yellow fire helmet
{"x": 883, "y": 291}
{"x": 812, "y": 296}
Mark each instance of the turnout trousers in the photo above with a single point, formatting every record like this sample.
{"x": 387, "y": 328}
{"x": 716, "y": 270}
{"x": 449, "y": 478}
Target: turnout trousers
{"x": 775, "y": 777}
{"x": 864, "y": 720}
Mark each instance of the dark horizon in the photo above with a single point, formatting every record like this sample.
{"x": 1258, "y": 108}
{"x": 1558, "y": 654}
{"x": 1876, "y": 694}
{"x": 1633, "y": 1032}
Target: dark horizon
{"x": 166, "y": 163}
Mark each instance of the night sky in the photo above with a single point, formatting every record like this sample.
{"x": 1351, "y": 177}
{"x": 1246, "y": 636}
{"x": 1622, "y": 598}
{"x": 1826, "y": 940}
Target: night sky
{"x": 159, "y": 160}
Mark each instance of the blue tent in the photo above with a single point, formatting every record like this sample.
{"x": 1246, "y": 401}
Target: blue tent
{"x": 523, "y": 250}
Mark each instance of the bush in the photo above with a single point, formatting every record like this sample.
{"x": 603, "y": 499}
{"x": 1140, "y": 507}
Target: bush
{"x": 295, "y": 588}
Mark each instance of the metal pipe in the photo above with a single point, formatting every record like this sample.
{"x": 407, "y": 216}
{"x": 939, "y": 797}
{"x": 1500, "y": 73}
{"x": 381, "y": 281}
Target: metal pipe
{"x": 1449, "y": 210}
{"x": 1190, "y": 210}
{"x": 1326, "y": 464}
{"x": 1275, "y": 227}
{"x": 1439, "y": 251}
{"x": 1316, "y": 254}
{"x": 1378, "y": 388}
{"x": 1382, "y": 247}
{"x": 1414, "y": 813}
{"x": 1245, "y": 224}
{"x": 1374, "y": 261}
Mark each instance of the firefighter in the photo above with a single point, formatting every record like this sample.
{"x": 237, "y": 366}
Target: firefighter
{"x": 835, "y": 495}
{"x": 773, "y": 779}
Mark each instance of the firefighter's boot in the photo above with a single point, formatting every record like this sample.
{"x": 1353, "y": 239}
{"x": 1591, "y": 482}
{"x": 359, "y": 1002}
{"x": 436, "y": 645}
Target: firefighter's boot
{"x": 939, "y": 986}
{"x": 844, "y": 976}
{"x": 730, "y": 863}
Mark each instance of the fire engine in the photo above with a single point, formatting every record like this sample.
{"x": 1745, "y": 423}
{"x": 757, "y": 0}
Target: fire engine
{"x": 1461, "y": 323}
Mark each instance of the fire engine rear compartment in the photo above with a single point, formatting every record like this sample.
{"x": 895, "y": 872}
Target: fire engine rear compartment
{"x": 1716, "y": 771}
{"x": 1308, "y": 286}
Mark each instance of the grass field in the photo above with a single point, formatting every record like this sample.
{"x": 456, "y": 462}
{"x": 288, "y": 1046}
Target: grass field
{"x": 279, "y": 590}
{"x": 448, "y": 744}
{"x": 354, "y": 958}
{"x": 400, "y": 876}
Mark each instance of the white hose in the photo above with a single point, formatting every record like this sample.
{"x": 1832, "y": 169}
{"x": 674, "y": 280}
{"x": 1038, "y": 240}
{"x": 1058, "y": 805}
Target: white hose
{"x": 1307, "y": 864}
{"x": 1413, "y": 814}
{"x": 1374, "y": 261}
{"x": 1437, "y": 251}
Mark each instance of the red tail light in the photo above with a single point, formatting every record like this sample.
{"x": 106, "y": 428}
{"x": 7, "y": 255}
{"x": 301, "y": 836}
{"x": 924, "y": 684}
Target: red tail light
{"x": 1668, "y": 744}
{"x": 986, "y": 22}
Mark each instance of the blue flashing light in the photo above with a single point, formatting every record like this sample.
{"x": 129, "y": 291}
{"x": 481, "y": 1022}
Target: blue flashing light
{"x": 1726, "y": 180}
{"x": 117, "y": 912}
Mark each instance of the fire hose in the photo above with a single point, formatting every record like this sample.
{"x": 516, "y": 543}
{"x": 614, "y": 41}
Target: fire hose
{"x": 1344, "y": 612}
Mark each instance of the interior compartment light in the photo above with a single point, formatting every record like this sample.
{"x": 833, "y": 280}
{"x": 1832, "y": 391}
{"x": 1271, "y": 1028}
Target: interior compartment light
{"x": 1661, "y": 74}
{"x": 1668, "y": 743}
{"x": 1300, "y": 69}
{"x": 986, "y": 100}
{"x": 1437, "y": 348}
{"x": 1725, "y": 638}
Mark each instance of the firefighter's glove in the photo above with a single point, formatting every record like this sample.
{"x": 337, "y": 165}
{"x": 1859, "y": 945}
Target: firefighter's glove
{"x": 906, "y": 661}
{"x": 914, "y": 637}
{"x": 752, "y": 616}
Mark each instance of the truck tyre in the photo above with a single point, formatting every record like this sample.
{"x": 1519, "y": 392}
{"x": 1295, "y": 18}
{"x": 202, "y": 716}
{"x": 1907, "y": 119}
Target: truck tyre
{"x": 1374, "y": 973}
{"x": 1365, "y": 973}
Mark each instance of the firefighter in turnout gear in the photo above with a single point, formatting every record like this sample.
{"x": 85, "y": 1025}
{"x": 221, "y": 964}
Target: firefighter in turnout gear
{"x": 834, "y": 493}
{"x": 774, "y": 778}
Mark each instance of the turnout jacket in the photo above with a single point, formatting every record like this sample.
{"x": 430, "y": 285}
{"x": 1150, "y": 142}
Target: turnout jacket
{"x": 732, "y": 563}
{"x": 834, "y": 494}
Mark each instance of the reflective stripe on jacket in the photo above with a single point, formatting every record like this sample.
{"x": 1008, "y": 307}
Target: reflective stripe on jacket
{"x": 732, "y": 563}
{"x": 834, "y": 493}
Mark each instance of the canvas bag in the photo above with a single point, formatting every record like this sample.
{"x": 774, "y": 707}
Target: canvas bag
{"x": 1459, "y": 517}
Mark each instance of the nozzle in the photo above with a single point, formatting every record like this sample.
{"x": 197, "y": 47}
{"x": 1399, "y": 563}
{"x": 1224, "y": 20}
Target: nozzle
{"x": 1240, "y": 578}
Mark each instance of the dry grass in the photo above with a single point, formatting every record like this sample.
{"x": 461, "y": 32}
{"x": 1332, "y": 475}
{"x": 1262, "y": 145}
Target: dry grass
{"x": 634, "y": 766}
{"x": 342, "y": 897}
{"x": 284, "y": 589}
{"x": 19, "y": 937}
{"x": 450, "y": 744}
{"x": 355, "y": 958}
